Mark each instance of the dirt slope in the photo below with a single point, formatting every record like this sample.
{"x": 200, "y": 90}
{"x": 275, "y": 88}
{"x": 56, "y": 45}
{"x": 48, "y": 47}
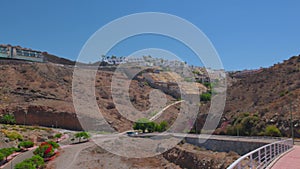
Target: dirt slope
{"x": 272, "y": 93}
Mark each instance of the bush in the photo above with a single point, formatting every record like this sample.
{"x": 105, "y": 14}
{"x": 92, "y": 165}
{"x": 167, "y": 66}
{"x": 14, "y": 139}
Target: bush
{"x": 273, "y": 131}
{"x": 1, "y": 157}
{"x": 45, "y": 150}
{"x": 244, "y": 125}
{"x": 26, "y": 144}
{"x": 207, "y": 84}
{"x": 141, "y": 124}
{"x": 24, "y": 165}
{"x": 53, "y": 144}
{"x": 31, "y": 163}
{"x": 145, "y": 124}
{"x": 205, "y": 97}
{"x": 13, "y": 135}
{"x": 163, "y": 125}
{"x": 8, "y": 119}
{"x": 58, "y": 135}
{"x": 7, "y": 151}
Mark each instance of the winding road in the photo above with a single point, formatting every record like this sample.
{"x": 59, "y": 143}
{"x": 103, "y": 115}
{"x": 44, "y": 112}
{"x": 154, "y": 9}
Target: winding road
{"x": 160, "y": 112}
{"x": 19, "y": 158}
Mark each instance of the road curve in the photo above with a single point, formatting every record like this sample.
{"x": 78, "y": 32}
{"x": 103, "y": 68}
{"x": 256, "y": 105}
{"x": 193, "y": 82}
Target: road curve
{"x": 160, "y": 112}
{"x": 19, "y": 158}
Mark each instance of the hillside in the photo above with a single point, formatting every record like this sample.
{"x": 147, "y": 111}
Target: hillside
{"x": 41, "y": 94}
{"x": 269, "y": 94}
{"x": 36, "y": 91}
{"x": 55, "y": 59}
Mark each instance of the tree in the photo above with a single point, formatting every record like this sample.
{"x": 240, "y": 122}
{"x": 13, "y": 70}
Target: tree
{"x": 145, "y": 124}
{"x": 6, "y": 152}
{"x": 141, "y": 124}
{"x": 244, "y": 125}
{"x": 81, "y": 135}
{"x": 151, "y": 126}
{"x": 163, "y": 126}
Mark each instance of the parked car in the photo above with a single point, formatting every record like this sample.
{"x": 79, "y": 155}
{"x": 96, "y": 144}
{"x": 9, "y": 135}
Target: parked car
{"x": 132, "y": 133}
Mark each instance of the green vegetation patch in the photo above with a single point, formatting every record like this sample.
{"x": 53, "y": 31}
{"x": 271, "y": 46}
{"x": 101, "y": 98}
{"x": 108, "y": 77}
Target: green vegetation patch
{"x": 26, "y": 144}
{"x": 31, "y": 163}
{"x": 12, "y": 135}
{"x": 150, "y": 126}
{"x": 8, "y": 119}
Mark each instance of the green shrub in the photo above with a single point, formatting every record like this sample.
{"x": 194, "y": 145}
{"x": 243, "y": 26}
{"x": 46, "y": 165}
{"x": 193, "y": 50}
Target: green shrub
{"x": 53, "y": 144}
{"x": 8, "y": 119}
{"x": 244, "y": 125}
{"x": 163, "y": 125}
{"x": 13, "y": 135}
{"x": 58, "y": 135}
{"x": 272, "y": 130}
{"x": 207, "y": 84}
{"x": 26, "y": 144}
{"x": 45, "y": 150}
{"x": 7, "y": 151}
{"x": 1, "y": 157}
{"x": 31, "y": 163}
{"x": 145, "y": 124}
{"x": 205, "y": 97}
{"x": 141, "y": 124}
{"x": 83, "y": 135}
{"x": 25, "y": 165}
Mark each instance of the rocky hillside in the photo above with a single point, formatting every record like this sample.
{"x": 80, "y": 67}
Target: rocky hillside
{"x": 36, "y": 91}
{"x": 269, "y": 94}
{"x": 41, "y": 94}
{"x": 55, "y": 59}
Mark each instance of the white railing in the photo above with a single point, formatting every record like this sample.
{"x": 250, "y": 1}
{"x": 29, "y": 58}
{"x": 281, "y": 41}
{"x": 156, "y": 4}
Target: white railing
{"x": 263, "y": 156}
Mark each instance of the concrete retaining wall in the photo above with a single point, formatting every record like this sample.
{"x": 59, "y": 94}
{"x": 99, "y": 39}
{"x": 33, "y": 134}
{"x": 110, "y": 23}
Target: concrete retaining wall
{"x": 240, "y": 147}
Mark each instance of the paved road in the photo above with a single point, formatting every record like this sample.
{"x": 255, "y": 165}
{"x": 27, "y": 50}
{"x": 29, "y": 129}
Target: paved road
{"x": 70, "y": 153}
{"x": 218, "y": 137}
{"x": 160, "y": 112}
{"x": 67, "y": 159}
{"x": 289, "y": 161}
{"x": 18, "y": 159}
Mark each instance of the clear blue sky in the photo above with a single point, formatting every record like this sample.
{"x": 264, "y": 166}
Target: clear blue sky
{"x": 246, "y": 34}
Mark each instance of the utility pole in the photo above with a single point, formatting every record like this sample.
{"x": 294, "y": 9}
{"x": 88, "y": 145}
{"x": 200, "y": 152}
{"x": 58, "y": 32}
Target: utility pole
{"x": 292, "y": 125}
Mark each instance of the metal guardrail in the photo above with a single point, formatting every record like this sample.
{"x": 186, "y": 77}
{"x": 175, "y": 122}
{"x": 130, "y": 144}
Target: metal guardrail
{"x": 263, "y": 156}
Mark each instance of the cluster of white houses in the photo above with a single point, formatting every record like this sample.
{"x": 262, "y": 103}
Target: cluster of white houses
{"x": 142, "y": 61}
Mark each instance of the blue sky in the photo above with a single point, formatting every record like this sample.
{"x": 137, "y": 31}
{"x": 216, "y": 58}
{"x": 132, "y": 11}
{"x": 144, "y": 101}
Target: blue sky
{"x": 246, "y": 34}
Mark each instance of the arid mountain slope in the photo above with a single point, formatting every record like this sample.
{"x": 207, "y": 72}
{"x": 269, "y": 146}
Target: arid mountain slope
{"x": 270, "y": 93}
{"x": 41, "y": 94}
{"x": 34, "y": 92}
